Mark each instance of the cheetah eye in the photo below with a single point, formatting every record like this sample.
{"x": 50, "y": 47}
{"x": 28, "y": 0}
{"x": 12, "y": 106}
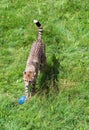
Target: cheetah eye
{"x": 24, "y": 72}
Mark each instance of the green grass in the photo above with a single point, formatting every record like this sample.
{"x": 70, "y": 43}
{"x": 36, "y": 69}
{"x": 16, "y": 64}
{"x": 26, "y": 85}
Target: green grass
{"x": 66, "y": 35}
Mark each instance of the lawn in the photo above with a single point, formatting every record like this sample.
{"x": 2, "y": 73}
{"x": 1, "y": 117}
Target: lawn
{"x": 62, "y": 91}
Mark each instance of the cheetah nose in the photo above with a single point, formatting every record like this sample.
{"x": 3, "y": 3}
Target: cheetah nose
{"x": 29, "y": 82}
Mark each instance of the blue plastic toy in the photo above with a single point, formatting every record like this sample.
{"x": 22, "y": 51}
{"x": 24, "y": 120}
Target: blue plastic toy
{"x": 22, "y": 100}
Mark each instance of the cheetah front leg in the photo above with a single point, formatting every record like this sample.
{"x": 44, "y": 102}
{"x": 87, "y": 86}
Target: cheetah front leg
{"x": 26, "y": 92}
{"x": 32, "y": 92}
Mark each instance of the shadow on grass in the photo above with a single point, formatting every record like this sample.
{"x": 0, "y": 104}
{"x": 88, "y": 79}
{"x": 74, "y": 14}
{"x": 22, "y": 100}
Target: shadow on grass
{"x": 48, "y": 80}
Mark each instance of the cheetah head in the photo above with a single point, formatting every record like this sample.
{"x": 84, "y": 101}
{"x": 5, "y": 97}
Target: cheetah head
{"x": 28, "y": 77}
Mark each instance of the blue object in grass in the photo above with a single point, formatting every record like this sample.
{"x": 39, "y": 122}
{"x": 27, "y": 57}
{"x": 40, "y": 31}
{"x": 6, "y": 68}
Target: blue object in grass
{"x": 22, "y": 99}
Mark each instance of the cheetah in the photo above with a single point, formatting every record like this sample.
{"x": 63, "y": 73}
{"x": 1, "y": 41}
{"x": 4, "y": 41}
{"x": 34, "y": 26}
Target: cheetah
{"x": 35, "y": 63}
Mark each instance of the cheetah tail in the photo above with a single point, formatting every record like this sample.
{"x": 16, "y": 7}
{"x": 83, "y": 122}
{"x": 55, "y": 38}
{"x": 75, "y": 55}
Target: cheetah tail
{"x": 40, "y": 29}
